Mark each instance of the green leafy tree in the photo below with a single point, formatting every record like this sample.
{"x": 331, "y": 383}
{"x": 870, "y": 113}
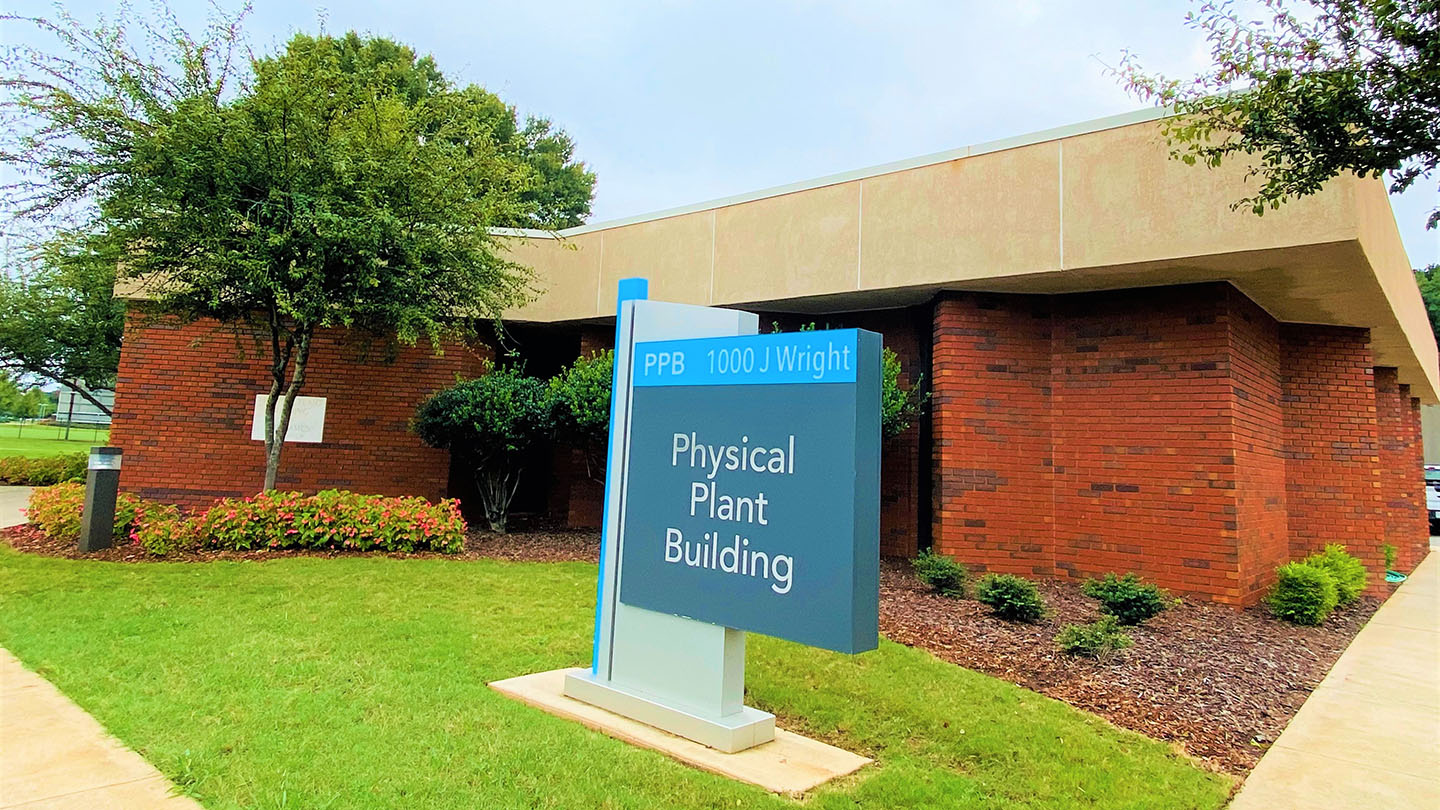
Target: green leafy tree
{"x": 899, "y": 406}
{"x": 1428, "y": 279}
{"x": 1306, "y": 91}
{"x": 21, "y": 402}
{"x": 342, "y": 182}
{"x": 61, "y": 321}
{"x": 580, "y": 408}
{"x": 488, "y": 424}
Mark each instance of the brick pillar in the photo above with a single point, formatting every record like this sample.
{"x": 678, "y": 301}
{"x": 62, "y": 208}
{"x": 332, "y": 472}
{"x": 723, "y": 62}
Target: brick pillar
{"x": 1401, "y": 467}
{"x": 1144, "y": 431}
{"x": 991, "y": 432}
{"x": 1332, "y": 469}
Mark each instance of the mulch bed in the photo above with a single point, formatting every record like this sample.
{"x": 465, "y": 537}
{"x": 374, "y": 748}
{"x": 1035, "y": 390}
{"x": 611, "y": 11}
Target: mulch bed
{"x": 1217, "y": 682}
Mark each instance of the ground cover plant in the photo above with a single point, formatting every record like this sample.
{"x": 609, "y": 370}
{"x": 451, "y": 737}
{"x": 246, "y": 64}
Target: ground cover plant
{"x": 1011, "y": 597}
{"x": 1127, "y": 598}
{"x": 1100, "y": 639}
{"x": 360, "y": 682}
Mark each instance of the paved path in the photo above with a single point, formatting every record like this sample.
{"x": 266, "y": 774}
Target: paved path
{"x": 12, "y": 500}
{"x": 1369, "y": 736}
{"x": 55, "y": 756}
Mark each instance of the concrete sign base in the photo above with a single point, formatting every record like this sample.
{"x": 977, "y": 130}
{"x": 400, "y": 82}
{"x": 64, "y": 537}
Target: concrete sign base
{"x": 743, "y": 729}
{"x": 790, "y": 764}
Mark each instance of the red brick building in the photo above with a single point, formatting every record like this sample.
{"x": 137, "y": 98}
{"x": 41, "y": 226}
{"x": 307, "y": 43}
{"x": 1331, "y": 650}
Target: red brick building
{"x": 1125, "y": 374}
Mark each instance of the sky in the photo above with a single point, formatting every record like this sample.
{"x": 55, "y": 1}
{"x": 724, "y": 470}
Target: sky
{"x": 673, "y": 103}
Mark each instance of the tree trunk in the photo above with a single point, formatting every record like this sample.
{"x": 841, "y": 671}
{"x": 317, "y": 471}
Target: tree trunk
{"x": 496, "y": 489}
{"x": 296, "y": 344}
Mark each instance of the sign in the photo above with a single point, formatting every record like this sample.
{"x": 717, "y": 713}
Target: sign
{"x": 752, "y": 491}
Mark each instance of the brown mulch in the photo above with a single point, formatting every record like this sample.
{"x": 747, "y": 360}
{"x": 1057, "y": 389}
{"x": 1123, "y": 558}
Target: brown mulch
{"x": 1217, "y": 682}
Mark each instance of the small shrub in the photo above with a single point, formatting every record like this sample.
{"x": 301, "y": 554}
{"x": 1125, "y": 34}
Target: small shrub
{"x": 1304, "y": 593}
{"x": 333, "y": 519}
{"x": 1389, "y": 551}
{"x": 1099, "y": 640}
{"x": 1011, "y": 597}
{"x": 163, "y": 529}
{"x": 945, "y": 576}
{"x": 1127, "y": 598}
{"x": 1349, "y": 573}
{"x": 43, "y": 471}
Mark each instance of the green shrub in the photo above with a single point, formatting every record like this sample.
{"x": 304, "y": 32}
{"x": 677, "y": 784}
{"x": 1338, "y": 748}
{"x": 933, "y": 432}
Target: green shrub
{"x": 43, "y": 471}
{"x": 1304, "y": 593}
{"x": 945, "y": 576}
{"x": 580, "y": 408}
{"x": 1099, "y": 640}
{"x": 332, "y": 519}
{"x": 1011, "y": 597}
{"x": 163, "y": 529}
{"x": 1349, "y": 573}
{"x": 1127, "y": 598}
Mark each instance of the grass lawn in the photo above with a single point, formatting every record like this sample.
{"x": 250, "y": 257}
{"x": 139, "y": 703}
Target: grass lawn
{"x": 47, "y": 440}
{"x": 360, "y": 683}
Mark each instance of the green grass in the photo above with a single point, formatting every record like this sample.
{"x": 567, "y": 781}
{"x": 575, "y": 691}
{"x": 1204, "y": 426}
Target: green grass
{"x": 47, "y": 440}
{"x": 360, "y": 683}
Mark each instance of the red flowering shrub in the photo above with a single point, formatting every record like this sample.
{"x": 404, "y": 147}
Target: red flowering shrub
{"x": 333, "y": 519}
{"x": 57, "y": 511}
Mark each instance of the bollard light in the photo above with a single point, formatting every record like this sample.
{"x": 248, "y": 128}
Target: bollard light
{"x": 102, "y": 485}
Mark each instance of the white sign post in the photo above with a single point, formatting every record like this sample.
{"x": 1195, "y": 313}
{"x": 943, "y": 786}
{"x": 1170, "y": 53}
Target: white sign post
{"x": 681, "y": 675}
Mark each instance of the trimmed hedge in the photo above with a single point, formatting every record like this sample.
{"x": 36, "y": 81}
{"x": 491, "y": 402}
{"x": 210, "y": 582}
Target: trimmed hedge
{"x": 333, "y": 519}
{"x": 1304, "y": 593}
{"x": 1011, "y": 597}
{"x": 44, "y": 471}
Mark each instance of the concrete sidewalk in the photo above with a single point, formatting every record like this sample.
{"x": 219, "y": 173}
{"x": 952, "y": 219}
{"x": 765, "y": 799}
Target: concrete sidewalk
{"x": 1369, "y": 736}
{"x": 55, "y": 756}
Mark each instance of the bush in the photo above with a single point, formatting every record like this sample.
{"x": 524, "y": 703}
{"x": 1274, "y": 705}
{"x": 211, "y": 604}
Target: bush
{"x": 1099, "y": 640}
{"x": 1304, "y": 593}
{"x": 1390, "y": 552}
{"x": 945, "y": 576}
{"x": 332, "y": 519}
{"x": 1011, "y": 597}
{"x": 580, "y": 408}
{"x": 163, "y": 529}
{"x": 44, "y": 471}
{"x": 58, "y": 512}
{"x": 1349, "y": 573}
{"x": 489, "y": 425}
{"x": 1128, "y": 599}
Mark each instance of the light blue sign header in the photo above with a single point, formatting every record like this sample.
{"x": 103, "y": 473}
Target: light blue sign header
{"x": 775, "y": 359}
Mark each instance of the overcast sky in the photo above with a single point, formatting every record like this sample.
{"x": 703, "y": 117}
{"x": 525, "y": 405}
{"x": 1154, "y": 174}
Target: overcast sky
{"x": 678, "y": 102}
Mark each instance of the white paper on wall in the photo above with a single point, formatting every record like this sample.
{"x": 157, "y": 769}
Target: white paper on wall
{"x": 307, "y": 420}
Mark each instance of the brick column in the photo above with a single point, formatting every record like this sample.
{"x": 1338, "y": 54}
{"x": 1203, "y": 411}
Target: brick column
{"x": 1332, "y": 469}
{"x": 991, "y": 432}
{"x": 1407, "y": 526}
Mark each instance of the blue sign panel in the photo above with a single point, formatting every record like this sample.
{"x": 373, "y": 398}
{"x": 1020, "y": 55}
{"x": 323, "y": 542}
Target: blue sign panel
{"x": 752, "y": 497}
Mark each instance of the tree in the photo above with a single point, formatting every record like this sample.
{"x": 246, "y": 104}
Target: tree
{"x": 488, "y": 424}
{"x": 17, "y": 402}
{"x": 580, "y": 408}
{"x": 1333, "y": 86}
{"x": 1428, "y": 279}
{"x": 342, "y": 182}
{"x": 61, "y": 321}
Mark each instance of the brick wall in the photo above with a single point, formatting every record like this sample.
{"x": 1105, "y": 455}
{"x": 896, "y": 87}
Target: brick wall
{"x": 1179, "y": 432}
{"x": 1334, "y": 484}
{"x": 185, "y": 399}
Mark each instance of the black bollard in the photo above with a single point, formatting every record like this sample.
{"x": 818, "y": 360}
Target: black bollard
{"x": 102, "y": 484}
